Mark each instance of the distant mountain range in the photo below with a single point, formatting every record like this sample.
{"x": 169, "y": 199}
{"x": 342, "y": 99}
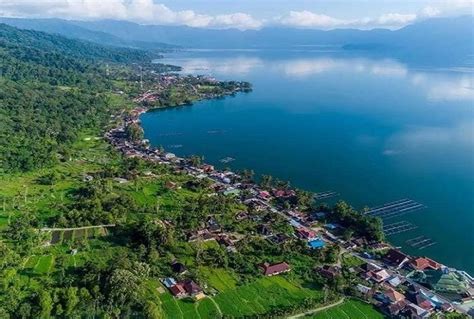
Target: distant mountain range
{"x": 437, "y": 39}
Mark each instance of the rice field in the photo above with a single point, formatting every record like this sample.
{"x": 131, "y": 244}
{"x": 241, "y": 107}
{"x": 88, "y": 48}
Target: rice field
{"x": 350, "y": 309}
{"x": 220, "y": 279}
{"x": 256, "y": 298}
{"x": 39, "y": 264}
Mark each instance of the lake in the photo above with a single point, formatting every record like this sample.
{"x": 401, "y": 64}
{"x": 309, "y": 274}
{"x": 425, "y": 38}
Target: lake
{"x": 371, "y": 128}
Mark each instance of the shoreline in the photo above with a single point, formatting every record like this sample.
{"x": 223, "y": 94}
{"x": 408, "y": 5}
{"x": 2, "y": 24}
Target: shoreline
{"x": 154, "y": 154}
{"x": 230, "y": 181}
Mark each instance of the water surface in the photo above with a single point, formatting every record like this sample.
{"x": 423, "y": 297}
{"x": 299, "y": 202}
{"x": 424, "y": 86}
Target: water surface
{"x": 372, "y": 129}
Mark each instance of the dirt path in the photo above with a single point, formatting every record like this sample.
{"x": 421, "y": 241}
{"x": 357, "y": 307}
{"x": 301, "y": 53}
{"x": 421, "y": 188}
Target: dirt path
{"x": 217, "y": 305}
{"x": 77, "y": 228}
{"x": 310, "y": 312}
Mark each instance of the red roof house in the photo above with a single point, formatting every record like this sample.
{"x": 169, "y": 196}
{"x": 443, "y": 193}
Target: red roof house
{"x": 192, "y": 288}
{"x": 275, "y": 269}
{"x": 306, "y": 233}
{"x": 177, "y": 290}
{"x": 394, "y": 296}
{"x": 264, "y": 195}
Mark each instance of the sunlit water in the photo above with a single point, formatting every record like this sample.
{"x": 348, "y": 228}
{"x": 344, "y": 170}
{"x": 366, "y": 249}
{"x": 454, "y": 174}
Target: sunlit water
{"x": 374, "y": 130}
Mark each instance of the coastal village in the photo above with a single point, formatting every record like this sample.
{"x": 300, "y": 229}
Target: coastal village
{"x": 399, "y": 285}
{"x": 99, "y": 222}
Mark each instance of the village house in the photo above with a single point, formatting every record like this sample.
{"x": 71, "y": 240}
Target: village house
{"x": 275, "y": 269}
{"x": 278, "y": 239}
{"x": 283, "y": 193}
{"x": 328, "y": 271}
{"x": 414, "y": 312}
{"x": 305, "y": 233}
{"x": 208, "y": 168}
{"x": 379, "y": 275}
{"x": 212, "y": 225}
{"x": 177, "y": 290}
{"x": 264, "y": 195}
{"x": 395, "y": 281}
{"x": 364, "y": 291}
{"x": 264, "y": 230}
{"x": 227, "y": 242}
{"x": 178, "y": 268}
{"x": 241, "y": 216}
{"x": 422, "y": 263}
{"x": 169, "y": 282}
{"x": 170, "y": 156}
{"x": 393, "y": 296}
{"x": 203, "y": 235}
{"x": 395, "y": 258}
{"x": 171, "y": 185}
{"x": 193, "y": 289}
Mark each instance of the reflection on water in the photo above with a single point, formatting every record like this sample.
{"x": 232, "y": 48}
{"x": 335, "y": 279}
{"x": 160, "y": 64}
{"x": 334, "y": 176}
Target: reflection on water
{"x": 437, "y": 86}
{"x": 373, "y": 129}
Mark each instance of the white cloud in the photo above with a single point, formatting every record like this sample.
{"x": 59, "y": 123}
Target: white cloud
{"x": 395, "y": 19}
{"x": 149, "y": 12}
{"x": 308, "y": 19}
{"x": 459, "y": 4}
{"x": 142, "y": 11}
{"x": 430, "y": 12}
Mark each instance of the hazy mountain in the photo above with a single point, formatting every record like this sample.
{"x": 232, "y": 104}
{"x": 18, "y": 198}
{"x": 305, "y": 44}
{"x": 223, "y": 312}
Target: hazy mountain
{"x": 72, "y": 30}
{"x": 446, "y": 40}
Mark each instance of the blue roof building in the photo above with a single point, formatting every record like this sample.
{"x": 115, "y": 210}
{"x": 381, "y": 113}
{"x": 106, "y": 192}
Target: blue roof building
{"x": 316, "y": 243}
{"x": 169, "y": 282}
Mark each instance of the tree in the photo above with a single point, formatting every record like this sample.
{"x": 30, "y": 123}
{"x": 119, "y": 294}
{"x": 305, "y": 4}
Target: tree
{"x": 196, "y": 160}
{"x": 266, "y": 181}
{"x": 151, "y": 232}
{"x": 21, "y": 230}
{"x": 46, "y": 304}
{"x": 247, "y": 175}
{"x": 71, "y": 300}
{"x": 152, "y": 311}
{"x": 134, "y": 132}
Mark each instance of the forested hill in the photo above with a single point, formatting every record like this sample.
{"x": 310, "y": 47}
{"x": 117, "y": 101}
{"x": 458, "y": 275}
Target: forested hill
{"x": 51, "y": 87}
{"x": 45, "y": 42}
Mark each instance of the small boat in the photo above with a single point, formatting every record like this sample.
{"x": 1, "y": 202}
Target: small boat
{"x": 227, "y": 160}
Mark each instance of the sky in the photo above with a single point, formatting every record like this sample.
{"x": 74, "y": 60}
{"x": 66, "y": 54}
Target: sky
{"x": 244, "y": 14}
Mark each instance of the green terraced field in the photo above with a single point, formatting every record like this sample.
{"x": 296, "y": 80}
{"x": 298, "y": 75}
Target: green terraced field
{"x": 351, "y": 309}
{"x": 44, "y": 264}
{"x": 220, "y": 279}
{"x": 256, "y": 298}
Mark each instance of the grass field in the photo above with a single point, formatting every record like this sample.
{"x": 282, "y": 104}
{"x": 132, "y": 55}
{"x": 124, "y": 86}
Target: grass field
{"x": 350, "y": 309}
{"x": 351, "y": 261}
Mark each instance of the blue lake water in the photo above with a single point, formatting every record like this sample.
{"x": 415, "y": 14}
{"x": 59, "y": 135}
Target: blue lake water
{"x": 373, "y": 129}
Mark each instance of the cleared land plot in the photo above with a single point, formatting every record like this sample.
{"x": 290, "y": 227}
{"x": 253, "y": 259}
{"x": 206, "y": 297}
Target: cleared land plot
{"x": 80, "y": 233}
{"x": 60, "y": 236}
{"x": 68, "y": 234}
{"x": 350, "y": 309}
{"x": 56, "y": 237}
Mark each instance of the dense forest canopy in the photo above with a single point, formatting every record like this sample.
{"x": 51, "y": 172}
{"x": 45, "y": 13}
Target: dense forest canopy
{"x": 51, "y": 87}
